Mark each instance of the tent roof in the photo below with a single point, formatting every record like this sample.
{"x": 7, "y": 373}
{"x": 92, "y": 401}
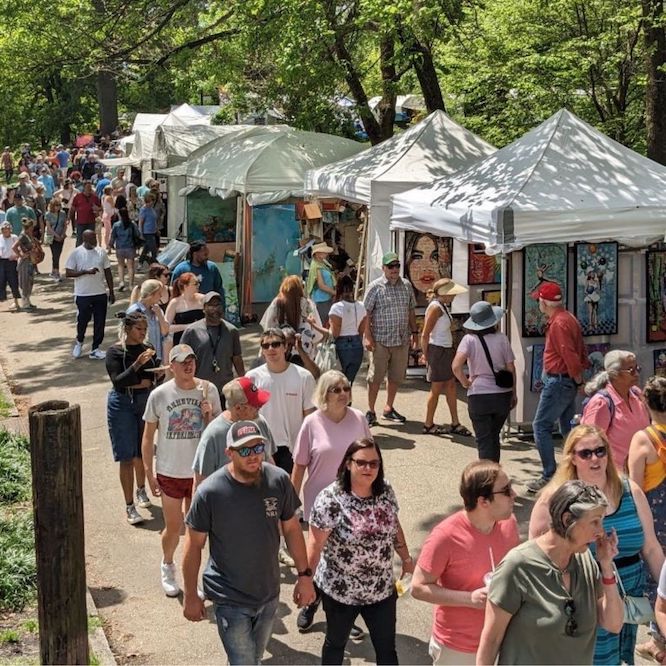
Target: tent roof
{"x": 562, "y": 181}
{"x": 435, "y": 147}
{"x": 147, "y": 121}
{"x": 183, "y": 141}
{"x": 265, "y": 159}
{"x": 184, "y": 115}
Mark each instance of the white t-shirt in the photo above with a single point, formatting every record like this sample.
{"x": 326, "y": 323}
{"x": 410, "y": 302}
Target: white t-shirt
{"x": 6, "y": 245}
{"x": 82, "y": 259}
{"x": 291, "y": 395}
{"x": 180, "y": 423}
{"x": 441, "y": 332}
{"x": 351, "y": 315}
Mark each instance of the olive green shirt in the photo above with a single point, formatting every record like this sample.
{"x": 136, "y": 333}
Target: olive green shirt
{"x": 529, "y": 586}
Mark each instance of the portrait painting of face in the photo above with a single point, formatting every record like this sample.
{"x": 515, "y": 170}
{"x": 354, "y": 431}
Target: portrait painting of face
{"x": 427, "y": 259}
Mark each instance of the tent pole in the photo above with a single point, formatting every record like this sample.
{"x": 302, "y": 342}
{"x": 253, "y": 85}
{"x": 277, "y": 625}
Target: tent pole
{"x": 506, "y": 329}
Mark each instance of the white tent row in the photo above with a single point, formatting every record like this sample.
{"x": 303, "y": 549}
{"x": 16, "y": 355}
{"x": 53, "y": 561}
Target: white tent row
{"x": 402, "y": 102}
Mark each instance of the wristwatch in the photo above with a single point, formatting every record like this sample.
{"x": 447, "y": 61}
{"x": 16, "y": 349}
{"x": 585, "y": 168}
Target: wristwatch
{"x": 305, "y": 572}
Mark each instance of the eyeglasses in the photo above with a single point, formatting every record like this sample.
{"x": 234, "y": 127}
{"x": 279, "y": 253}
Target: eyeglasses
{"x": 271, "y": 345}
{"x": 507, "y": 490}
{"x": 394, "y": 265}
{"x": 246, "y": 451}
{"x": 364, "y": 464}
{"x": 340, "y": 389}
{"x": 570, "y": 611}
{"x": 633, "y": 371}
{"x": 586, "y": 454}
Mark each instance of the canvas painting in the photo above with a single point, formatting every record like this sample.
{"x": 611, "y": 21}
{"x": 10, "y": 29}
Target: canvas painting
{"x": 537, "y": 368}
{"x": 427, "y": 259}
{"x": 492, "y": 296}
{"x": 416, "y": 360}
{"x": 483, "y": 268}
{"x": 543, "y": 262}
{"x": 211, "y": 219}
{"x": 659, "y": 362}
{"x": 656, "y": 296}
{"x": 595, "y": 354}
{"x": 595, "y": 303}
{"x": 232, "y": 311}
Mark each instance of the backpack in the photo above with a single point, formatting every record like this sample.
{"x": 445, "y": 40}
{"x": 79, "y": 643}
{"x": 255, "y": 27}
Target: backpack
{"x": 609, "y": 401}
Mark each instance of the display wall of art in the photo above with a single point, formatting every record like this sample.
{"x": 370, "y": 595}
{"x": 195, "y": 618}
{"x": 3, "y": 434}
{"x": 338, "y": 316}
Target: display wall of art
{"x": 210, "y": 219}
{"x": 543, "y": 262}
{"x": 492, "y": 296}
{"x": 595, "y": 296}
{"x": 659, "y": 362}
{"x": 228, "y": 273}
{"x": 427, "y": 259}
{"x": 537, "y": 368}
{"x": 655, "y": 307}
{"x": 595, "y": 354}
{"x": 483, "y": 268}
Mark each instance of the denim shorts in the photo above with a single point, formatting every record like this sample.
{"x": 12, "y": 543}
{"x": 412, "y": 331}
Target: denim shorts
{"x": 124, "y": 414}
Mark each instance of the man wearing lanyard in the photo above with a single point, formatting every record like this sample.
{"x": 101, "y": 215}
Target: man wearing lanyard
{"x": 216, "y": 343}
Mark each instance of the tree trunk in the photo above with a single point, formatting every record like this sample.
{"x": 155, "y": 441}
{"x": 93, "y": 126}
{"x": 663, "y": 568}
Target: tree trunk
{"x": 386, "y": 107}
{"x": 655, "y": 96}
{"x": 107, "y": 98}
{"x": 426, "y": 73}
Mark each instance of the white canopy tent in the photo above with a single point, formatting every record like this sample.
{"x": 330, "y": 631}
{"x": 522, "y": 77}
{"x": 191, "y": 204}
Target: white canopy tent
{"x": 435, "y": 147}
{"x": 147, "y": 121}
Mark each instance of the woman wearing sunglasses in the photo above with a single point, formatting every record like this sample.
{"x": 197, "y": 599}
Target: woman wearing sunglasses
{"x": 354, "y": 529}
{"x": 547, "y": 597}
{"x": 615, "y": 403}
{"x": 585, "y": 457}
{"x": 320, "y": 447}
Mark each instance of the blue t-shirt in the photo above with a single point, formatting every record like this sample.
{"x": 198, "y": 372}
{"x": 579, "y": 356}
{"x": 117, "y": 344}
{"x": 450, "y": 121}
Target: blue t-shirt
{"x": 63, "y": 158}
{"x": 211, "y": 280}
{"x": 49, "y": 185}
{"x": 148, "y": 216}
{"x": 101, "y": 184}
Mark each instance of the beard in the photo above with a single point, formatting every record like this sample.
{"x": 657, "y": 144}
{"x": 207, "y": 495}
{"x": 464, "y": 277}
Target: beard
{"x": 249, "y": 478}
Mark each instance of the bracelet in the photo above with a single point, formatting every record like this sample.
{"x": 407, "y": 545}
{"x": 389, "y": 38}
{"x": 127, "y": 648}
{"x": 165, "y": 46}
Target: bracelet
{"x": 609, "y": 581}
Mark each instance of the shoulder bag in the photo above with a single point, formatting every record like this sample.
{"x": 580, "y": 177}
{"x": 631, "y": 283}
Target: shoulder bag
{"x": 503, "y": 378}
{"x": 637, "y": 610}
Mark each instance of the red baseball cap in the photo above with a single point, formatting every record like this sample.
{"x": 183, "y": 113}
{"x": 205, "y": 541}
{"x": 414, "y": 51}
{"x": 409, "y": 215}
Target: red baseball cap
{"x": 255, "y": 396}
{"x": 549, "y": 291}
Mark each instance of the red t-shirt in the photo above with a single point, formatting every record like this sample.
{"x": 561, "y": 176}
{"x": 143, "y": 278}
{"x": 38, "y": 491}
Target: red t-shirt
{"x": 83, "y": 207}
{"x": 459, "y": 555}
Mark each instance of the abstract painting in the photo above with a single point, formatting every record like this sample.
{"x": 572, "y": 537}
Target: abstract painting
{"x": 427, "y": 258}
{"x": 492, "y": 296}
{"x": 543, "y": 262}
{"x": 536, "y": 384}
{"x": 659, "y": 362}
{"x": 481, "y": 267}
{"x": 228, "y": 273}
{"x": 595, "y": 296}
{"x": 656, "y": 296}
{"x": 211, "y": 219}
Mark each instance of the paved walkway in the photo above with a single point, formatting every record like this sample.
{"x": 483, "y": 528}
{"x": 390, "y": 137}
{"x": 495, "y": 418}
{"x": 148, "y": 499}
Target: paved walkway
{"x": 142, "y": 625}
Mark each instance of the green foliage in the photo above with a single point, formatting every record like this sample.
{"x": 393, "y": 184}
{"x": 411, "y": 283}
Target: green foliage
{"x": 9, "y": 636}
{"x": 15, "y": 479}
{"x": 18, "y": 575}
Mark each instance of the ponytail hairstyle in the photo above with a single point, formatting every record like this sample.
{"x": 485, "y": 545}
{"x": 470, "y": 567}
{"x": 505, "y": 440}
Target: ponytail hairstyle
{"x": 128, "y": 320}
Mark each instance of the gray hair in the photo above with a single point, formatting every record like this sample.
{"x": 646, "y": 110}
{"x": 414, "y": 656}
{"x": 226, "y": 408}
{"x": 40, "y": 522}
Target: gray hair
{"x": 575, "y": 498}
{"x": 327, "y": 381}
{"x": 149, "y": 287}
{"x": 234, "y": 394}
{"x": 612, "y": 366}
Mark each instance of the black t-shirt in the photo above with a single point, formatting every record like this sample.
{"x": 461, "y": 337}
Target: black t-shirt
{"x": 119, "y": 366}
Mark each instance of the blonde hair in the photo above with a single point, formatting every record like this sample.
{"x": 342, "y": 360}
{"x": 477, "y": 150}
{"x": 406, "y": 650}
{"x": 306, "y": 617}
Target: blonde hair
{"x": 327, "y": 381}
{"x": 566, "y": 470}
{"x": 149, "y": 287}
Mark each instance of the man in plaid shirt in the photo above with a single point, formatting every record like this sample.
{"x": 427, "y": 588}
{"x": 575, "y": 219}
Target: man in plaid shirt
{"x": 389, "y": 302}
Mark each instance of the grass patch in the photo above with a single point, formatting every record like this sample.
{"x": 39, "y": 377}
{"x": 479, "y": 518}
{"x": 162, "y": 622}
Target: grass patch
{"x": 94, "y": 622}
{"x": 5, "y": 406}
{"x": 31, "y": 626}
{"x": 9, "y": 636}
{"x": 15, "y": 477}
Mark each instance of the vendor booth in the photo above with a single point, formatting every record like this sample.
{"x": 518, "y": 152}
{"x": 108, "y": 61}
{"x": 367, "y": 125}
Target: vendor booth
{"x": 565, "y": 204}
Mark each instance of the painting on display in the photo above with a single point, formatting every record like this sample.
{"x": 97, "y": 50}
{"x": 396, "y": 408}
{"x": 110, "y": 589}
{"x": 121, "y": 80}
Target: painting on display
{"x": 492, "y": 296}
{"x": 275, "y": 235}
{"x": 543, "y": 262}
{"x": 416, "y": 366}
{"x": 427, "y": 259}
{"x": 537, "y": 368}
{"x": 228, "y": 273}
{"x": 595, "y": 354}
{"x": 483, "y": 268}
{"x": 659, "y": 362}
{"x": 211, "y": 219}
{"x": 656, "y": 296}
{"x": 595, "y": 302}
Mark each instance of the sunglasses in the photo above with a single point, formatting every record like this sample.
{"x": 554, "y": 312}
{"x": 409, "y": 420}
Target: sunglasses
{"x": 633, "y": 371}
{"x": 246, "y": 451}
{"x": 507, "y": 490}
{"x": 271, "y": 345}
{"x": 340, "y": 389}
{"x": 394, "y": 265}
{"x": 366, "y": 464}
{"x": 570, "y": 611}
{"x": 586, "y": 454}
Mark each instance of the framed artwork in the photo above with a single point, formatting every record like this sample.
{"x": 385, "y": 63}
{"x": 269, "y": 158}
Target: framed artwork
{"x": 537, "y": 368}
{"x": 228, "y": 273}
{"x": 457, "y": 330}
{"x": 492, "y": 296}
{"x": 659, "y": 362}
{"x": 595, "y": 353}
{"x": 427, "y": 259}
{"x": 595, "y": 296}
{"x": 416, "y": 366}
{"x": 543, "y": 262}
{"x": 655, "y": 308}
{"x": 211, "y": 219}
{"x": 481, "y": 267}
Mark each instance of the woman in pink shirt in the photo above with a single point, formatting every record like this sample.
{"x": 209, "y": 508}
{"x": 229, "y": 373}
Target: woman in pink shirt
{"x": 616, "y": 403}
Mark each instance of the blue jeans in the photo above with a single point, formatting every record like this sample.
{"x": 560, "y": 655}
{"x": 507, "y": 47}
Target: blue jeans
{"x": 245, "y": 631}
{"x": 350, "y": 354}
{"x": 557, "y": 403}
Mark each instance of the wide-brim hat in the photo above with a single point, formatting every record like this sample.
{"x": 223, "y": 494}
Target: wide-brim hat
{"x": 483, "y": 315}
{"x": 322, "y": 247}
{"x": 447, "y": 287}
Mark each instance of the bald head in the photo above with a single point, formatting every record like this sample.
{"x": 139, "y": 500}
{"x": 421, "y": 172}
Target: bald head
{"x": 89, "y": 239}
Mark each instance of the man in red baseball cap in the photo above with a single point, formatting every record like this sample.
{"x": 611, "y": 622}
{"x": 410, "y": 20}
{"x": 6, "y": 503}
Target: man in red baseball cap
{"x": 564, "y": 359}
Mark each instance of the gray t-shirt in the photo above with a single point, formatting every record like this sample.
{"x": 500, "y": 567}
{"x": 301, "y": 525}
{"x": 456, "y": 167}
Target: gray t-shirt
{"x": 242, "y": 524}
{"x": 204, "y": 340}
{"x": 211, "y": 453}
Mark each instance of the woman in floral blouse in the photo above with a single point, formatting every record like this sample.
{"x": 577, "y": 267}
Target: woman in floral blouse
{"x": 354, "y": 529}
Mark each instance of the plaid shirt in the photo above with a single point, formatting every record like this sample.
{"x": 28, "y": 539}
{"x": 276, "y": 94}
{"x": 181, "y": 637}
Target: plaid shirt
{"x": 388, "y": 308}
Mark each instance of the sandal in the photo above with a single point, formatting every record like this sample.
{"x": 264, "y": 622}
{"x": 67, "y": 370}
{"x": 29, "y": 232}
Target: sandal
{"x": 651, "y": 650}
{"x": 434, "y": 429}
{"x": 459, "y": 429}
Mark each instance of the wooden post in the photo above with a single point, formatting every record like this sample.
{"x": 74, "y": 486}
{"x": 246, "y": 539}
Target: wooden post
{"x": 57, "y": 497}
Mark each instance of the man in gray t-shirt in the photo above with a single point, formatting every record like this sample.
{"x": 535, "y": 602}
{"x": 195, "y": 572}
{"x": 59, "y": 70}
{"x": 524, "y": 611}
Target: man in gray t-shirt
{"x": 241, "y": 507}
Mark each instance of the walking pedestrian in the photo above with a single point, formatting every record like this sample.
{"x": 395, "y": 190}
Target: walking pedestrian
{"x": 186, "y": 306}
{"x": 158, "y": 327}
{"x": 17, "y": 212}
{"x": 83, "y": 211}
{"x": 56, "y": 229}
{"x": 148, "y": 229}
{"x": 207, "y": 272}
{"x": 8, "y": 265}
{"x": 320, "y": 285}
{"x": 124, "y": 240}
{"x": 24, "y": 248}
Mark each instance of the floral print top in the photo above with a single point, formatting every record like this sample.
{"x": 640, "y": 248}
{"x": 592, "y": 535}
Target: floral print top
{"x": 356, "y": 565}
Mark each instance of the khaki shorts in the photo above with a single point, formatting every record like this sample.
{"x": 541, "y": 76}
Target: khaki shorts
{"x": 388, "y": 360}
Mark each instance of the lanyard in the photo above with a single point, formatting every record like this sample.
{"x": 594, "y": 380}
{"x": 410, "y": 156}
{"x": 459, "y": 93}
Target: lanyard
{"x": 215, "y": 345}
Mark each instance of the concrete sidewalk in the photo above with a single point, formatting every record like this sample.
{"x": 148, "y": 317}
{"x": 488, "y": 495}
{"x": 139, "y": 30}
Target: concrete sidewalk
{"x": 143, "y": 626}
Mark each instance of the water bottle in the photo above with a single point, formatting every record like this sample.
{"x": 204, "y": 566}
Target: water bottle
{"x": 403, "y": 585}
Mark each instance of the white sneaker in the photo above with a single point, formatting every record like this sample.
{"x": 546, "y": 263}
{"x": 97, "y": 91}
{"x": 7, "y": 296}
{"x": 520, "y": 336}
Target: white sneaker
{"x": 169, "y": 584}
{"x": 97, "y": 355}
{"x": 76, "y": 351}
{"x": 142, "y": 498}
{"x": 133, "y": 516}
{"x": 285, "y": 558}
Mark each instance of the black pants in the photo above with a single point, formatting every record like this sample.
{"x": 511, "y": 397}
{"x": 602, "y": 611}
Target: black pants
{"x": 91, "y": 307}
{"x": 488, "y": 413}
{"x": 80, "y": 228}
{"x": 56, "y": 251}
{"x": 149, "y": 252}
{"x": 380, "y": 619}
{"x": 283, "y": 459}
{"x": 8, "y": 276}
{"x": 9, "y": 173}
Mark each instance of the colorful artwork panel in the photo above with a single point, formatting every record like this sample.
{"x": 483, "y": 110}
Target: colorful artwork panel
{"x": 483, "y": 268}
{"x": 656, "y": 296}
{"x": 492, "y": 296}
{"x": 211, "y": 219}
{"x": 427, "y": 259}
{"x": 659, "y": 362}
